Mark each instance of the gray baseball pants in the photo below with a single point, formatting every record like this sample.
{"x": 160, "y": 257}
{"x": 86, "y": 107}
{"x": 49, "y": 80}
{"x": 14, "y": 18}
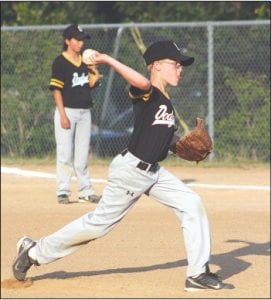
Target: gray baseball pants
{"x": 126, "y": 183}
{"x": 72, "y": 151}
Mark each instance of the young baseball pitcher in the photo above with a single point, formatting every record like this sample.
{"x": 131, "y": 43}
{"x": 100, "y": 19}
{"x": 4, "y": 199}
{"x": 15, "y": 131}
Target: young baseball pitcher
{"x": 136, "y": 171}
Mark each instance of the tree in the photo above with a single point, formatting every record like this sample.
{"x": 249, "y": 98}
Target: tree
{"x": 153, "y": 11}
{"x": 26, "y": 103}
{"x": 245, "y": 132}
{"x": 66, "y": 12}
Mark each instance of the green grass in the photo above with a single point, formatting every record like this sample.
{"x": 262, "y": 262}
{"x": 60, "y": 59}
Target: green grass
{"x": 21, "y": 161}
{"x": 171, "y": 161}
{"x": 226, "y": 163}
{"x": 47, "y": 160}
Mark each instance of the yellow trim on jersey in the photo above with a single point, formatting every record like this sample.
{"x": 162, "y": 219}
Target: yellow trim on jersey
{"x": 77, "y": 64}
{"x": 145, "y": 96}
{"x": 131, "y": 96}
{"x": 57, "y": 83}
{"x": 166, "y": 94}
{"x": 53, "y": 80}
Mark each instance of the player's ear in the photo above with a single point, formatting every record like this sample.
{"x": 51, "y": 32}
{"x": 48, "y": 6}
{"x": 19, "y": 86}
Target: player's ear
{"x": 156, "y": 64}
{"x": 67, "y": 41}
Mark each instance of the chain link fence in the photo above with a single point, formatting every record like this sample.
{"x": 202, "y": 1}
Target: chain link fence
{"x": 228, "y": 85}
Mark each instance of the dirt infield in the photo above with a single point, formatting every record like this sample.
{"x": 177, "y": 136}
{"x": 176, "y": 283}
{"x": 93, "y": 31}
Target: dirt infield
{"x": 143, "y": 257}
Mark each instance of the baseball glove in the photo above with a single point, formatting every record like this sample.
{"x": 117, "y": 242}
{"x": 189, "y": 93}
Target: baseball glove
{"x": 94, "y": 77}
{"x": 196, "y": 146}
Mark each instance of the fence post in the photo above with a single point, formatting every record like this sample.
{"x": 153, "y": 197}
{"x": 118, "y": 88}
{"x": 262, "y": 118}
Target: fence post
{"x": 210, "y": 83}
{"x": 111, "y": 75}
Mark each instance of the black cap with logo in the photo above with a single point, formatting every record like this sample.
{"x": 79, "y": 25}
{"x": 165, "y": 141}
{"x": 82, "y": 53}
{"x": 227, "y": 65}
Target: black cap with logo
{"x": 76, "y": 32}
{"x": 166, "y": 49}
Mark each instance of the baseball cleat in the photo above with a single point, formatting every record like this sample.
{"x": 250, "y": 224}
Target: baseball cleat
{"x": 22, "y": 261}
{"x": 205, "y": 280}
{"x": 63, "y": 199}
{"x": 91, "y": 199}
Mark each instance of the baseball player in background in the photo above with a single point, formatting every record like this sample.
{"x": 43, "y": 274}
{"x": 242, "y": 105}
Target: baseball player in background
{"x": 72, "y": 94}
{"x": 136, "y": 171}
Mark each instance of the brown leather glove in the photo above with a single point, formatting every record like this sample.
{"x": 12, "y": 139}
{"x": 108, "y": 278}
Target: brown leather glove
{"x": 196, "y": 146}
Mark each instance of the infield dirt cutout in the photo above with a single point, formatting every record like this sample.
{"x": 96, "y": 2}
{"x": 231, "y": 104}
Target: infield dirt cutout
{"x": 15, "y": 284}
{"x": 144, "y": 256}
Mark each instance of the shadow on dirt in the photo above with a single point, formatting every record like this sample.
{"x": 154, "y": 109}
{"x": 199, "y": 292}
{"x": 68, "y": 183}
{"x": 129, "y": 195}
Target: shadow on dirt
{"x": 230, "y": 263}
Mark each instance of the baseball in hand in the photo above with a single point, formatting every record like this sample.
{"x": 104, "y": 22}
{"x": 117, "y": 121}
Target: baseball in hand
{"x": 87, "y": 57}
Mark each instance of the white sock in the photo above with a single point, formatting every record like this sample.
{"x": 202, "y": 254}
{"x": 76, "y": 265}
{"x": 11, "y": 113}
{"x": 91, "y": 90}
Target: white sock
{"x": 32, "y": 253}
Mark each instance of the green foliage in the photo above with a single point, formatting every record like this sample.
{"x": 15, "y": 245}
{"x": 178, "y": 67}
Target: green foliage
{"x": 237, "y": 133}
{"x": 241, "y": 85}
{"x": 86, "y": 12}
{"x": 184, "y": 11}
{"x": 26, "y": 102}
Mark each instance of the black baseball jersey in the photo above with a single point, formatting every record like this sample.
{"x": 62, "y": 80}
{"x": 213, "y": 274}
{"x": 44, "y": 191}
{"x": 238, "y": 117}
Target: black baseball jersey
{"x": 72, "y": 81}
{"x": 154, "y": 124}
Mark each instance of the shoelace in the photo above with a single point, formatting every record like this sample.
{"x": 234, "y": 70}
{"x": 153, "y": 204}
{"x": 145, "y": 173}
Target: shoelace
{"x": 215, "y": 276}
{"x": 209, "y": 279}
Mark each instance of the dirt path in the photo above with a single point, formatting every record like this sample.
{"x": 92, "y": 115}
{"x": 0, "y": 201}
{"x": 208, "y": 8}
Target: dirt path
{"x": 144, "y": 256}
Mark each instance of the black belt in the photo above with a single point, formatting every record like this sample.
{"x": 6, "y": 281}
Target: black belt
{"x": 143, "y": 165}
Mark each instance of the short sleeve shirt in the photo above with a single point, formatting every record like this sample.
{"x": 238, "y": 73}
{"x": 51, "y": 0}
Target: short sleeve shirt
{"x": 72, "y": 81}
{"x": 154, "y": 124}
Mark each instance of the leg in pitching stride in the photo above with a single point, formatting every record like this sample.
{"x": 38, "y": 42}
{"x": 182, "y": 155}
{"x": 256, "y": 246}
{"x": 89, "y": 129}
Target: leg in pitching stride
{"x": 136, "y": 171}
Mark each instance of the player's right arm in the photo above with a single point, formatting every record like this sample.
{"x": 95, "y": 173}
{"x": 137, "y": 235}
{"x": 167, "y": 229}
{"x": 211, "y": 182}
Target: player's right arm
{"x": 133, "y": 77}
{"x": 56, "y": 85}
{"x": 65, "y": 122}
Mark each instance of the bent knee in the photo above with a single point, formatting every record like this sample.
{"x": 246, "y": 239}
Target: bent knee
{"x": 196, "y": 206}
{"x": 192, "y": 204}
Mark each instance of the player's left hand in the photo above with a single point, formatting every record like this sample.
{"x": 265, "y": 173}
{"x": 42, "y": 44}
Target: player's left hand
{"x": 94, "y": 76}
{"x": 197, "y": 145}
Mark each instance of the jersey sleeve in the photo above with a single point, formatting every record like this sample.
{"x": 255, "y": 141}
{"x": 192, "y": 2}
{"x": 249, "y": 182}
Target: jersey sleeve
{"x": 135, "y": 93}
{"x": 57, "y": 77}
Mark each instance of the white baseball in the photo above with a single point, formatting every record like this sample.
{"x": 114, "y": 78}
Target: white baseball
{"x": 87, "y": 56}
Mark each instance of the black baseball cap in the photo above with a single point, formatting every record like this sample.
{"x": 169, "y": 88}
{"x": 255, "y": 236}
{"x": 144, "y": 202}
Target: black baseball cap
{"x": 166, "y": 49}
{"x": 76, "y": 32}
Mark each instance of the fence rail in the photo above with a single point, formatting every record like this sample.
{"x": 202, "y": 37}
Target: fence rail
{"x": 228, "y": 85}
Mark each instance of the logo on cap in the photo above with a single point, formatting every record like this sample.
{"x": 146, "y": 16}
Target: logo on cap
{"x": 75, "y": 31}
{"x": 176, "y": 46}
